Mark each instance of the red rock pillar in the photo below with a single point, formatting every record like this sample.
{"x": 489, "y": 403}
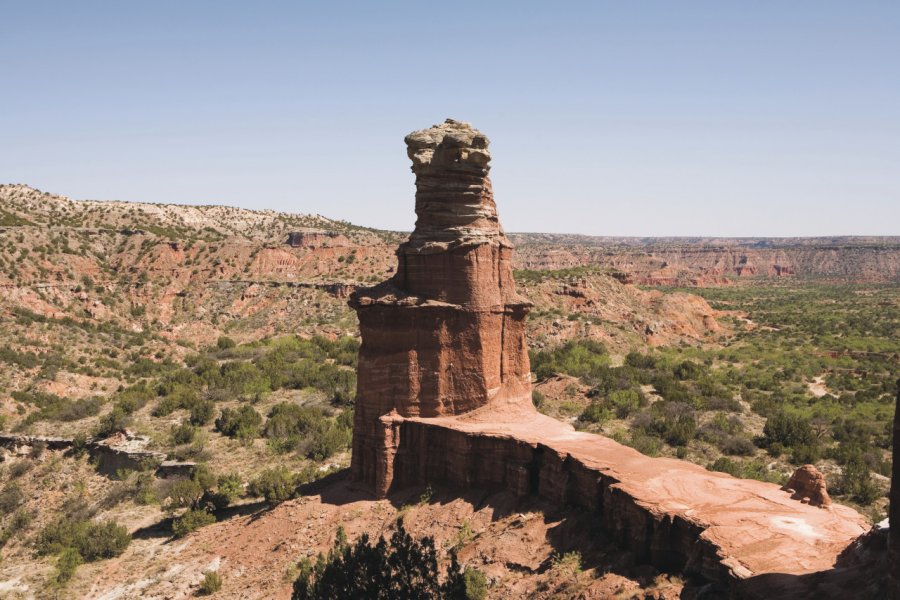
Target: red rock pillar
{"x": 446, "y": 335}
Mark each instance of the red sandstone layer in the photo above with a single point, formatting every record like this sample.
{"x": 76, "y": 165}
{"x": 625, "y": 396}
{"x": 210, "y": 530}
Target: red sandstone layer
{"x": 672, "y": 513}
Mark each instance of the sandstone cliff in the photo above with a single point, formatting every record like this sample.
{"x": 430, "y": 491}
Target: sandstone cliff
{"x": 446, "y": 334}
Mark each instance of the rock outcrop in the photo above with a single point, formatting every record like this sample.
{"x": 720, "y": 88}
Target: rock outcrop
{"x": 807, "y": 485}
{"x": 443, "y": 396}
{"x": 445, "y": 336}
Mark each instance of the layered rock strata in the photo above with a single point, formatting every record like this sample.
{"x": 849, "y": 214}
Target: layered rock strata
{"x": 443, "y": 396}
{"x": 445, "y": 336}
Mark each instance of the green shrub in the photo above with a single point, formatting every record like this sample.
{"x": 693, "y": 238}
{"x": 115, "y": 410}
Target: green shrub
{"x": 113, "y": 422}
{"x": 289, "y": 423}
{"x": 182, "y": 433}
{"x": 92, "y": 540}
{"x": 400, "y": 568}
{"x": 19, "y": 522}
{"x": 726, "y": 465}
{"x": 201, "y": 412}
{"x": 687, "y": 370}
{"x": 225, "y": 343}
{"x": 10, "y": 498}
{"x": 475, "y": 583}
{"x": 325, "y": 443}
{"x": 581, "y": 358}
{"x": 242, "y": 423}
{"x": 230, "y": 486}
{"x": 190, "y": 521}
{"x": 595, "y": 412}
{"x": 640, "y": 361}
{"x": 788, "y": 429}
{"x": 275, "y": 485}
{"x": 184, "y": 493}
{"x": 69, "y": 560}
{"x": 856, "y": 481}
{"x": 625, "y": 402}
{"x": 212, "y": 583}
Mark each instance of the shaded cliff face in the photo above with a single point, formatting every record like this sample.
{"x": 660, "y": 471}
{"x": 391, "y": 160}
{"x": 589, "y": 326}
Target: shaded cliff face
{"x": 452, "y": 302}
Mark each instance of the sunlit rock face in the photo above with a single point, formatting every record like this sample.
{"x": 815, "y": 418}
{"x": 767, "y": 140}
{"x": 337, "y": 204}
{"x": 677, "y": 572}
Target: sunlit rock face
{"x": 446, "y": 335}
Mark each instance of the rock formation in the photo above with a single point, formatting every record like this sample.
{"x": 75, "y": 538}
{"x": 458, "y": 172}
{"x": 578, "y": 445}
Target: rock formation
{"x": 443, "y": 396}
{"x": 446, "y": 334}
{"x": 807, "y": 485}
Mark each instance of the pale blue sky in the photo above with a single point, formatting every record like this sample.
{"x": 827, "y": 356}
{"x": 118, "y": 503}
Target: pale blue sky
{"x": 608, "y": 118}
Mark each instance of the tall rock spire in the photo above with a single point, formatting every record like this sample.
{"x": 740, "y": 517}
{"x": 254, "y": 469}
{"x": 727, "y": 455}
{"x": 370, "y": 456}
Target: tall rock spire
{"x": 446, "y": 335}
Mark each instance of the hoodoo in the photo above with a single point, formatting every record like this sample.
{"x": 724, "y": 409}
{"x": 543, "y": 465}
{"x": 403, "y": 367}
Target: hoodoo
{"x": 444, "y": 396}
{"x": 445, "y": 335}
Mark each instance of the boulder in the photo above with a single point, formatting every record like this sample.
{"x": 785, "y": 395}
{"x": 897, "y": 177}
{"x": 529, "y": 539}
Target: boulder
{"x": 807, "y": 485}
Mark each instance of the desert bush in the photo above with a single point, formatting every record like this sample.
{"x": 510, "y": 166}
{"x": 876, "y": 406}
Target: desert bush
{"x": 581, "y": 358}
{"x": 595, "y": 412}
{"x": 787, "y": 429}
{"x": 625, "y": 402}
{"x": 856, "y": 481}
{"x": 225, "y": 343}
{"x": 329, "y": 441}
{"x": 640, "y": 361}
{"x": 287, "y": 419}
{"x": 687, "y": 370}
{"x": 212, "y": 583}
{"x": 737, "y": 445}
{"x": 242, "y": 423}
{"x": 19, "y": 522}
{"x": 54, "y": 408}
{"x": 114, "y": 421}
{"x": 674, "y": 422}
{"x": 66, "y": 564}
{"x": 476, "y": 585}
{"x": 92, "y": 540}
{"x": 182, "y": 433}
{"x": 400, "y": 568}
{"x": 643, "y": 443}
{"x": 184, "y": 493}
{"x": 230, "y": 486}
{"x": 202, "y": 411}
{"x": 275, "y": 485}
{"x": 11, "y": 497}
{"x": 191, "y": 521}
{"x": 726, "y": 465}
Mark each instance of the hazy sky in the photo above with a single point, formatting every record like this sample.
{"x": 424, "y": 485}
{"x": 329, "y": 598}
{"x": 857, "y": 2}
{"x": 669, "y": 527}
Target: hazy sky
{"x": 608, "y": 118}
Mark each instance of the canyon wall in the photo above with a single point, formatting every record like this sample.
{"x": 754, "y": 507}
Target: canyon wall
{"x": 709, "y": 261}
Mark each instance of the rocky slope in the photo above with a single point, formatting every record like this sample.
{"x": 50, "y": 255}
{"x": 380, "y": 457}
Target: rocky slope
{"x": 87, "y": 288}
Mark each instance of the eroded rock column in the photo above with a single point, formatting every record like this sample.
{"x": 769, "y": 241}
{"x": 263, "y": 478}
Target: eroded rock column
{"x": 446, "y": 335}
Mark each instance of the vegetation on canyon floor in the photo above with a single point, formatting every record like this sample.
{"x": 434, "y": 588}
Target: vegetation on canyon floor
{"x": 808, "y": 378}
